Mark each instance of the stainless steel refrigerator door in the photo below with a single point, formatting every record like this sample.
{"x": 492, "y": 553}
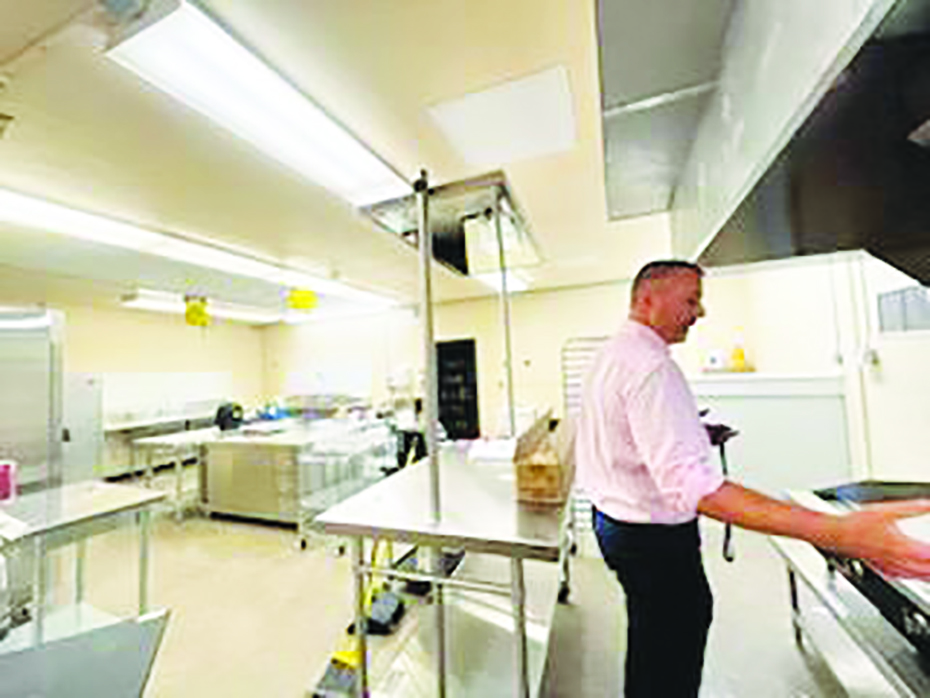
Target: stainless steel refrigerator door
{"x": 31, "y": 394}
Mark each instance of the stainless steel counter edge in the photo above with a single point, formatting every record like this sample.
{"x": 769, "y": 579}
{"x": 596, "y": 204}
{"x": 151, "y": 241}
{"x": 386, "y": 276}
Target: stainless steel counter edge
{"x": 529, "y": 551}
{"x": 144, "y": 498}
{"x": 479, "y": 510}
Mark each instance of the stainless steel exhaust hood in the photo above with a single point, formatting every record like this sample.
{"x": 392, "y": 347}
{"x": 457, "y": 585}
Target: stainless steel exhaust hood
{"x": 857, "y": 173}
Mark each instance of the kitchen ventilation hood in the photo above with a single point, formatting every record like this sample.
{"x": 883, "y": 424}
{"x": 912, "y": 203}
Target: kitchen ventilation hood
{"x": 857, "y": 174}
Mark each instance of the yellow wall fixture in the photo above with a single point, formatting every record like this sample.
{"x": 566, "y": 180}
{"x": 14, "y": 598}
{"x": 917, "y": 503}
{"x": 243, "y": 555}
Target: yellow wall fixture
{"x": 302, "y": 299}
{"x": 195, "y": 311}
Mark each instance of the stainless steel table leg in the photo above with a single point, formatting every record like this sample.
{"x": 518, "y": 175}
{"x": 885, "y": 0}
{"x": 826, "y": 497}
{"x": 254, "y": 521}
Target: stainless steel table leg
{"x": 179, "y": 486}
{"x": 149, "y": 468}
{"x": 80, "y": 552}
{"x": 40, "y": 588}
{"x": 144, "y": 536}
{"x": 361, "y": 631}
{"x": 518, "y": 598}
{"x": 439, "y": 618}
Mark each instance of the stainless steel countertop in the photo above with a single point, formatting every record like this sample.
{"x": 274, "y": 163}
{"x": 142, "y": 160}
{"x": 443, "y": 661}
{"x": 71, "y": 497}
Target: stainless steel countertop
{"x": 61, "y": 507}
{"x": 194, "y": 437}
{"x": 480, "y": 511}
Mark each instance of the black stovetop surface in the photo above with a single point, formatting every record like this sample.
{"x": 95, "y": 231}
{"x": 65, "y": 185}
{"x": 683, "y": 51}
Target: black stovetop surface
{"x": 870, "y": 491}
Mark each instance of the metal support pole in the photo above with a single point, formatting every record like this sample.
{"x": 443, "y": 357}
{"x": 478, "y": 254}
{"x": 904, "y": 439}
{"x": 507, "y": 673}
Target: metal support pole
{"x": 179, "y": 485}
{"x": 361, "y": 629}
{"x": 518, "y": 598}
{"x": 505, "y": 316}
{"x": 430, "y": 387}
{"x": 144, "y": 519}
{"x": 40, "y": 588}
{"x": 80, "y": 553}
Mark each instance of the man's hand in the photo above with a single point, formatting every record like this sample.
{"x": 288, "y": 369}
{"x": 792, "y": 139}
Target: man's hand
{"x": 872, "y": 534}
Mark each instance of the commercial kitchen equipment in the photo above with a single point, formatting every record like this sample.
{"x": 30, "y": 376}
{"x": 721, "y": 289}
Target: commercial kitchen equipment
{"x": 873, "y": 631}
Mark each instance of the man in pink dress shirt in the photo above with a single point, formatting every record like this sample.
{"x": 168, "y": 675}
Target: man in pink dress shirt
{"x": 644, "y": 460}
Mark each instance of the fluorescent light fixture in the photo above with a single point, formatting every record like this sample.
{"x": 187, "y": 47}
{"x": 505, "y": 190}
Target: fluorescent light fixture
{"x": 21, "y": 319}
{"x": 525, "y": 118}
{"x": 515, "y": 282}
{"x": 189, "y": 56}
{"x": 163, "y": 302}
{"x": 30, "y": 212}
{"x": 297, "y": 317}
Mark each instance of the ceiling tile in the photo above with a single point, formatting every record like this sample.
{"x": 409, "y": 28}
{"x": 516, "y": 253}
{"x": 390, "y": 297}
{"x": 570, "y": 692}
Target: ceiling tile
{"x": 517, "y": 120}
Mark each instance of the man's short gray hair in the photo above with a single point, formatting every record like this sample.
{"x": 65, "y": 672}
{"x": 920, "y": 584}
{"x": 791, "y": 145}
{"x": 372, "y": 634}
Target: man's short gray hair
{"x": 662, "y": 269}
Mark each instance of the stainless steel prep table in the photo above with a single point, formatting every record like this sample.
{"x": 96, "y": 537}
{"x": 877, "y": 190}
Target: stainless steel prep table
{"x": 176, "y": 448}
{"x": 866, "y": 654}
{"x": 70, "y": 514}
{"x": 479, "y": 513}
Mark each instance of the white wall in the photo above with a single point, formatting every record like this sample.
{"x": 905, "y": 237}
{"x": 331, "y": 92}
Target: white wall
{"x": 896, "y": 387}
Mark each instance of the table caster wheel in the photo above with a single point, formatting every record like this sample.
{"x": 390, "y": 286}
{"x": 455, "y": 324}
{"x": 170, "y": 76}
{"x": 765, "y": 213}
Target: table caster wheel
{"x": 303, "y": 543}
{"x": 574, "y": 549}
{"x": 564, "y": 591}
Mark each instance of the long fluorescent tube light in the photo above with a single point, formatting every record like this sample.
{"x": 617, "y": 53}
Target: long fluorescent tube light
{"x": 30, "y": 212}
{"x": 515, "y": 282}
{"x": 163, "y": 302}
{"x": 187, "y": 55}
{"x": 20, "y": 319}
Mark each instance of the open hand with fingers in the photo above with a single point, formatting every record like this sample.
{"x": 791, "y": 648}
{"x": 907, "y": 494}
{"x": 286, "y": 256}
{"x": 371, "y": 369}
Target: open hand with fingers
{"x": 872, "y": 534}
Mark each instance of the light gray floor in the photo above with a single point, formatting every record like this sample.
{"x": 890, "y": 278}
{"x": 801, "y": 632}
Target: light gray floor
{"x": 253, "y": 616}
{"x": 751, "y": 651}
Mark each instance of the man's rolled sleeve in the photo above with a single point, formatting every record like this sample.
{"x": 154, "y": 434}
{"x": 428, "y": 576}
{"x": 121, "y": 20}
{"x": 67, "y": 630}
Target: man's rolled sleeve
{"x": 671, "y": 439}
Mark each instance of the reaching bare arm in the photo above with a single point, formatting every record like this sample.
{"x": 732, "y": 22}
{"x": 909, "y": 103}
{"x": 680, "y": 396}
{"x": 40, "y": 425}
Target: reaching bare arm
{"x": 870, "y": 534}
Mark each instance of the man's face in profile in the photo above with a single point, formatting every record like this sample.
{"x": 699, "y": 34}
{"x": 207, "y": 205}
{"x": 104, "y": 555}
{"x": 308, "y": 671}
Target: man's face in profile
{"x": 674, "y": 304}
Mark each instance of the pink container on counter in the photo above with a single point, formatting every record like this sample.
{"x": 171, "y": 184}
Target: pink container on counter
{"x": 7, "y": 480}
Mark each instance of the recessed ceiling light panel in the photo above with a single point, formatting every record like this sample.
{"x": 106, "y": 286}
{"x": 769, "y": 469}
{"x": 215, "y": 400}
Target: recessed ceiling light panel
{"x": 521, "y": 119}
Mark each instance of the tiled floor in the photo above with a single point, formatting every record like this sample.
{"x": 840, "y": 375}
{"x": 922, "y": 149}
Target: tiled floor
{"x": 253, "y": 616}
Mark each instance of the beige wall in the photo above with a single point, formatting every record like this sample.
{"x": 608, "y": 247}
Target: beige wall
{"x": 540, "y": 325}
{"x": 784, "y": 312}
{"x": 112, "y": 340}
{"x": 343, "y": 355}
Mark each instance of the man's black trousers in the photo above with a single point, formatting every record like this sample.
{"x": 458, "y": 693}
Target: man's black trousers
{"x": 668, "y": 600}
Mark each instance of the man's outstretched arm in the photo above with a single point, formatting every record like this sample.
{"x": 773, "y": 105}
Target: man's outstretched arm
{"x": 870, "y": 534}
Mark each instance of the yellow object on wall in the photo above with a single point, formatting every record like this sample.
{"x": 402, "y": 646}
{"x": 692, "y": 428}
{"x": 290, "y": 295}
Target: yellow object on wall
{"x": 195, "y": 312}
{"x": 301, "y": 299}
